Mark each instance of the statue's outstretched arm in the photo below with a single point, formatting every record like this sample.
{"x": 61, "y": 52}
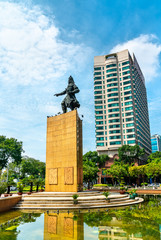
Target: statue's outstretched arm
{"x": 59, "y": 94}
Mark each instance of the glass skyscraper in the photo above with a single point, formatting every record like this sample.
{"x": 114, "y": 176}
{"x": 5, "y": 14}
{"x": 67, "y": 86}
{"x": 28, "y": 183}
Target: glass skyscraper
{"x": 156, "y": 143}
{"x": 121, "y": 110}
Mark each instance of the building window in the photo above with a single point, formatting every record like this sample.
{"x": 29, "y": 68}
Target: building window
{"x": 112, "y": 89}
{"x": 100, "y": 138}
{"x": 99, "y": 122}
{"x": 99, "y": 128}
{"x": 97, "y": 82}
{"x": 97, "y": 73}
{"x": 131, "y": 136}
{"x": 129, "y": 114}
{"x": 110, "y": 65}
{"x": 99, "y": 133}
{"x": 131, "y": 142}
{"x": 115, "y": 137}
{"x": 99, "y": 117}
{"x": 113, "y": 110}
{"x": 128, "y": 87}
{"x": 114, "y": 126}
{"x": 99, "y": 112}
{"x": 113, "y": 115}
{"x": 98, "y": 97}
{"x": 125, "y": 63}
{"x": 114, "y": 131}
{"x": 129, "y": 119}
{"x": 128, "y": 108}
{"x": 114, "y": 120}
{"x": 113, "y": 105}
{"x": 115, "y": 143}
{"x": 100, "y": 144}
{"x": 98, "y": 87}
{"x": 127, "y": 98}
{"x": 128, "y": 103}
{"x": 111, "y": 70}
{"x": 97, "y": 92}
{"x": 113, "y": 99}
{"x": 130, "y": 130}
{"x": 129, "y": 124}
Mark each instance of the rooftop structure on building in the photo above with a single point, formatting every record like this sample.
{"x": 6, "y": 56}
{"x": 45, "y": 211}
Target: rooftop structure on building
{"x": 121, "y": 110}
{"x": 156, "y": 143}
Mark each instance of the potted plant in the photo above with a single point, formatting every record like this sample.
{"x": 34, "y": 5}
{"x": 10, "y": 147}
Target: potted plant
{"x": 42, "y": 183}
{"x": 3, "y": 187}
{"x": 75, "y": 200}
{"x": 131, "y": 196}
{"x": 20, "y": 188}
{"x": 134, "y": 192}
{"x": 122, "y": 190}
{"x": 106, "y": 194}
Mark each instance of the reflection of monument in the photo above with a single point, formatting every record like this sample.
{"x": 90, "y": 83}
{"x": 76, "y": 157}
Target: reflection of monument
{"x": 64, "y": 170}
{"x": 63, "y": 226}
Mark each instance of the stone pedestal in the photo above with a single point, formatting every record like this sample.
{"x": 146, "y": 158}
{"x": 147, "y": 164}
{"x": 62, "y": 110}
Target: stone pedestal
{"x": 64, "y": 168}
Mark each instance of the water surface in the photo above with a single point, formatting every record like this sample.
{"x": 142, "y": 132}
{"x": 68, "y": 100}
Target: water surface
{"x": 141, "y": 221}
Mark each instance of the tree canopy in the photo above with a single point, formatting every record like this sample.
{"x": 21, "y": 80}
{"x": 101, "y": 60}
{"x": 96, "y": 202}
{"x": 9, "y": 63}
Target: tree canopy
{"x": 91, "y": 164}
{"x": 94, "y": 157}
{"x": 31, "y": 166}
{"x": 118, "y": 171}
{"x": 10, "y": 148}
{"x": 155, "y": 157}
{"x": 128, "y": 154}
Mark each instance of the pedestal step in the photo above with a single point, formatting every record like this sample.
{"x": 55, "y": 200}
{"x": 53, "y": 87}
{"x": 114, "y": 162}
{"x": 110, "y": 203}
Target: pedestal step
{"x": 97, "y": 200}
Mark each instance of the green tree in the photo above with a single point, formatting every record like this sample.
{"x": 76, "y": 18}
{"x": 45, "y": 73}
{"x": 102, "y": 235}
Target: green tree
{"x": 90, "y": 170}
{"x": 118, "y": 171}
{"x": 128, "y": 154}
{"x": 154, "y": 157}
{"x": 93, "y": 156}
{"x": 10, "y": 148}
{"x": 153, "y": 170}
{"x": 136, "y": 171}
{"x": 31, "y": 166}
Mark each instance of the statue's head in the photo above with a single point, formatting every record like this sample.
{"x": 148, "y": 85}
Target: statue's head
{"x": 70, "y": 80}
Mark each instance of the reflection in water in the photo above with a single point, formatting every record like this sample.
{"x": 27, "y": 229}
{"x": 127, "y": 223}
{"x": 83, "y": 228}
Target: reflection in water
{"x": 63, "y": 226}
{"x": 140, "y": 222}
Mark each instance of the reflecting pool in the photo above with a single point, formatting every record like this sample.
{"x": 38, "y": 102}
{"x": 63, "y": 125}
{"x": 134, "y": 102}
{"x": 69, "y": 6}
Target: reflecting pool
{"x": 131, "y": 223}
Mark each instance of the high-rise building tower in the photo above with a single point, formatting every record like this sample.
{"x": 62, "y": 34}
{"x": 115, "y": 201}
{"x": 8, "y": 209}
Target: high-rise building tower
{"x": 121, "y": 110}
{"x": 156, "y": 143}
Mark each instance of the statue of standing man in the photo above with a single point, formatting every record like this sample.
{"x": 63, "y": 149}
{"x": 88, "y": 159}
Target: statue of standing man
{"x": 70, "y": 100}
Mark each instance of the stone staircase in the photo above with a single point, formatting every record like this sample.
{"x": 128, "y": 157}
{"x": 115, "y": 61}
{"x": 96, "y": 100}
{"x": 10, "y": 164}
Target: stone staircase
{"x": 86, "y": 200}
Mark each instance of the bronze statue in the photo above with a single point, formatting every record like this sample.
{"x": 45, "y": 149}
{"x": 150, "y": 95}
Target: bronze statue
{"x": 70, "y": 100}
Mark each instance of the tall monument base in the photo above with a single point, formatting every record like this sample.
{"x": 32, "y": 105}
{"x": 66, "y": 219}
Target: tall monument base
{"x": 64, "y": 166}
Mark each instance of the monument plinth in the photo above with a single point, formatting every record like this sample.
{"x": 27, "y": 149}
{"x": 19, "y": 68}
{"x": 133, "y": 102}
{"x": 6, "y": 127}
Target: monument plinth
{"x": 64, "y": 167}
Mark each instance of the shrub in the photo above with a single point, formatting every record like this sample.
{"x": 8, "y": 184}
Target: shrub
{"x": 3, "y": 187}
{"x": 100, "y": 185}
{"x": 20, "y": 187}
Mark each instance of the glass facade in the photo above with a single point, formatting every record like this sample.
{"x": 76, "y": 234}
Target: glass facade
{"x": 156, "y": 143}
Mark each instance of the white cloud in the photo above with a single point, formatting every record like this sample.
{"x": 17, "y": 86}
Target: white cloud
{"x": 34, "y": 64}
{"x": 30, "y": 49}
{"x": 147, "y": 51}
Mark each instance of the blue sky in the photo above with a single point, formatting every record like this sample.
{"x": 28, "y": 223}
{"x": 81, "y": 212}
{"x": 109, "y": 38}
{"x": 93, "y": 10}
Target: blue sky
{"x": 42, "y": 42}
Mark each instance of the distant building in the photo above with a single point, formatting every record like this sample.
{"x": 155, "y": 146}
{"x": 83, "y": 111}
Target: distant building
{"x": 121, "y": 110}
{"x": 156, "y": 143}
